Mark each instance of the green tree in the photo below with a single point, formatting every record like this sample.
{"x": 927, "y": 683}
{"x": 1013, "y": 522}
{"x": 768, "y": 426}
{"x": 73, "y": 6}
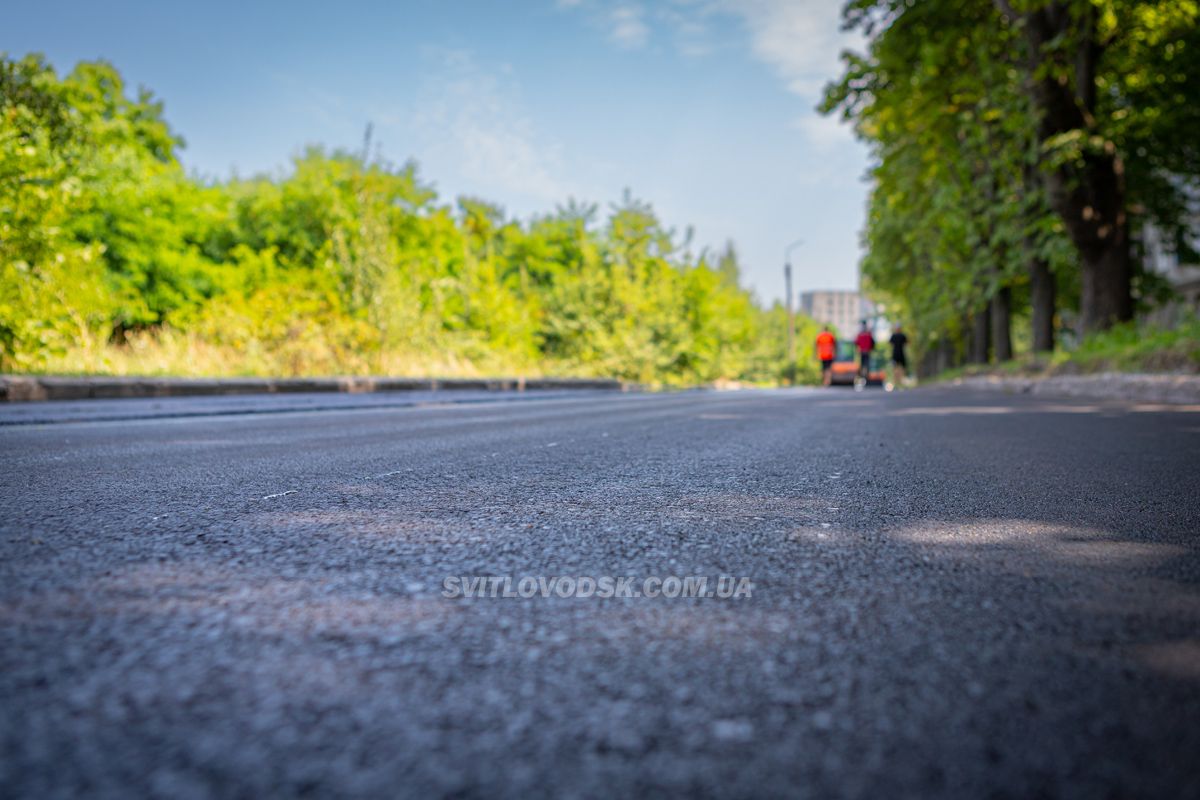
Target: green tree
{"x": 1114, "y": 83}
{"x": 112, "y": 258}
{"x": 1003, "y": 176}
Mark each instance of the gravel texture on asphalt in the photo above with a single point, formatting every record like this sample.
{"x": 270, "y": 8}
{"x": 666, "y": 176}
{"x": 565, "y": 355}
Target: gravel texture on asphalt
{"x": 955, "y": 594}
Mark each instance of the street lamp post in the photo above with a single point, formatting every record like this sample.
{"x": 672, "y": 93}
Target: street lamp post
{"x": 791, "y": 312}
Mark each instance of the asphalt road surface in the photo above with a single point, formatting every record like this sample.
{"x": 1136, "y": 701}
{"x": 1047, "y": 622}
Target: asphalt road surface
{"x": 954, "y": 595}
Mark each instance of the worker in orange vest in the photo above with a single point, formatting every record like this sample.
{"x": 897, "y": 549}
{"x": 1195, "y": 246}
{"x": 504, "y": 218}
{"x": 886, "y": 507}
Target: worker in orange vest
{"x": 826, "y": 343}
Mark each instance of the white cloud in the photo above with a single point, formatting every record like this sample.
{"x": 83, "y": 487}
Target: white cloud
{"x": 311, "y": 100}
{"x": 472, "y": 118}
{"x": 824, "y": 133}
{"x": 689, "y": 24}
{"x": 624, "y": 23}
{"x": 799, "y": 39}
{"x": 627, "y": 26}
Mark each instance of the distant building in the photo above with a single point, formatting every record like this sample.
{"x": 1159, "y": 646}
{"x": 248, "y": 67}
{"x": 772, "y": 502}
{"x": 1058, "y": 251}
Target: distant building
{"x": 842, "y": 309}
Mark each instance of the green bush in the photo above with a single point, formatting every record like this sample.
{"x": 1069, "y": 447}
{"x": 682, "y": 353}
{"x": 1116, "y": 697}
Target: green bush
{"x": 113, "y": 260}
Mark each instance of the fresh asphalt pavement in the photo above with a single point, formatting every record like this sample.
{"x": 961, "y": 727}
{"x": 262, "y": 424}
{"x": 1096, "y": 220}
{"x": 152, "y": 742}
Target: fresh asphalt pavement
{"x": 954, "y": 594}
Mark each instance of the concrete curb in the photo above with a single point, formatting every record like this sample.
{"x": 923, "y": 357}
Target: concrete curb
{"x": 18, "y": 388}
{"x": 1172, "y": 389}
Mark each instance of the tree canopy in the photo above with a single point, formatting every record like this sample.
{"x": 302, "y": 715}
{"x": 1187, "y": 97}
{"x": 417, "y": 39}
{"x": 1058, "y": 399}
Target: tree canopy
{"x": 1020, "y": 147}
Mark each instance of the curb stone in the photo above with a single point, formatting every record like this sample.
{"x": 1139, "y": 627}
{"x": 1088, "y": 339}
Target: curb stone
{"x": 1168, "y": 388}
{"x": 22, "y": 388}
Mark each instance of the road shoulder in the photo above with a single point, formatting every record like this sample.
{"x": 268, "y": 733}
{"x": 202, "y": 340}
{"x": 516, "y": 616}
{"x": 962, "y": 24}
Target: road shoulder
{"x": 1164, "y": 388}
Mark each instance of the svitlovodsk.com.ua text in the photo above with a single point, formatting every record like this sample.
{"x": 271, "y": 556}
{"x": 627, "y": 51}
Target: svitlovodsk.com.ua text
{"x": 721, "y": 587}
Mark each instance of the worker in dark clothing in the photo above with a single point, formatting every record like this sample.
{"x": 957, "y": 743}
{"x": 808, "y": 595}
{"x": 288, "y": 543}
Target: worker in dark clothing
{"x": 899, "y": 360}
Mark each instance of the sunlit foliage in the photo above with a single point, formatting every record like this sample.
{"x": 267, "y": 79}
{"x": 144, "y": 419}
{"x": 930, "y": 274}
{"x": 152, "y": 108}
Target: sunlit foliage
{"x": 113, "y": 259}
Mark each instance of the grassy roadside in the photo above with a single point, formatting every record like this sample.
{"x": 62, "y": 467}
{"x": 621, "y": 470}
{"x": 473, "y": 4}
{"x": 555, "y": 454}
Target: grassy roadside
{"x": 1125, "y": 348}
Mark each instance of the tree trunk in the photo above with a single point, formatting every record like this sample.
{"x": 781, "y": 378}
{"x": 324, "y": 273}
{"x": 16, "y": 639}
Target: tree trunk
{"x": 948, "y": 357}
{"x": 951, "y": 353}
{"x": 1041, "y": 300}
{"x": 1087, "y": 193}
{"x": 937, "y": 357}
{"x": 1105, "y": 295}
{"x": 981, "y": 334}
{"x": 932, "y": 361}
{"x": 1001, "y": 313}
{"x": 1092, "y": 204}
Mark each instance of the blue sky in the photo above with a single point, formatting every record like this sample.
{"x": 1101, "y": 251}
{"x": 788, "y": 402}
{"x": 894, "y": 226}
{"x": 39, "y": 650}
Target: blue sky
{"x": 704, "y": 108}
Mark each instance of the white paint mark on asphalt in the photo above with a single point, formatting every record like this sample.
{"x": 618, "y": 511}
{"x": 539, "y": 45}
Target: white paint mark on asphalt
{"x": 279, "y": 494}
{"x": 943, "y": 411}
{"x": 1156, "y": 407}
{"x": 733, "y": 730}
{"x": 552, "y": 444}
{"x": 385, "y": 475}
